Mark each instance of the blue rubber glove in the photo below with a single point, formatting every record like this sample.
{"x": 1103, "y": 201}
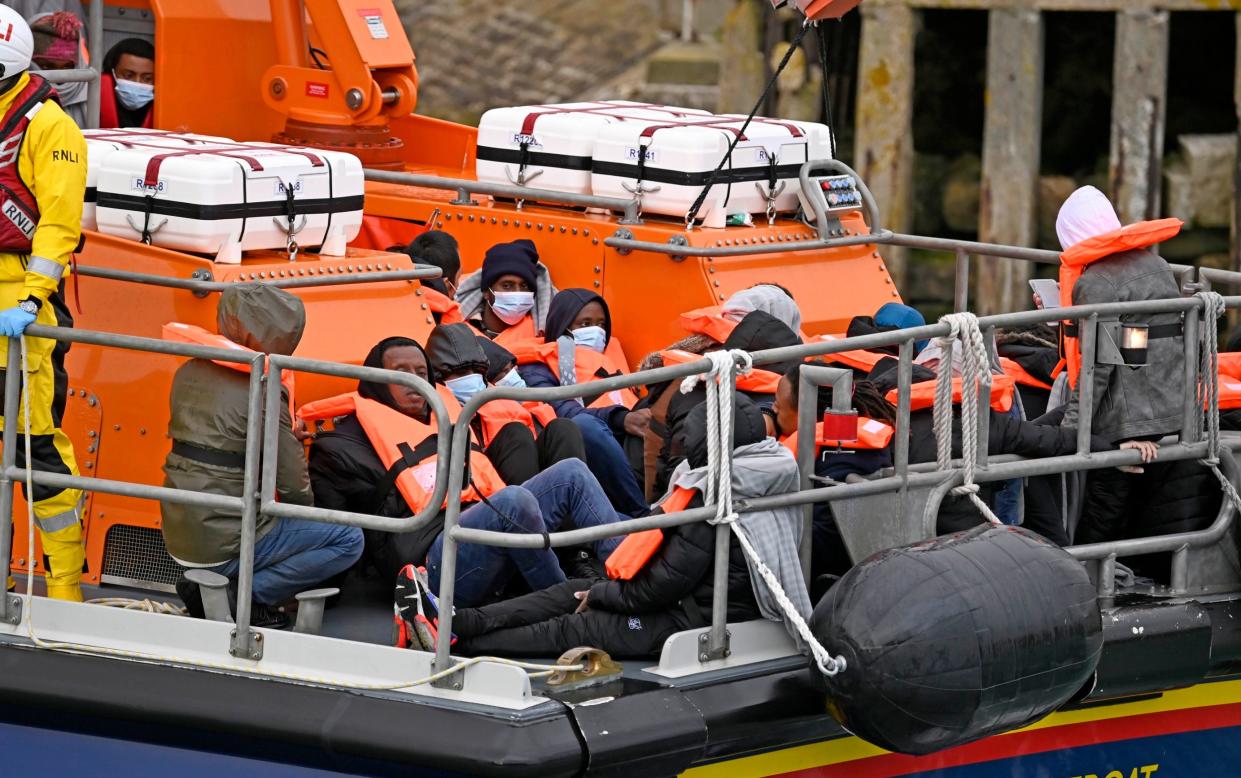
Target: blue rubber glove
{"x": 14, "y": 322}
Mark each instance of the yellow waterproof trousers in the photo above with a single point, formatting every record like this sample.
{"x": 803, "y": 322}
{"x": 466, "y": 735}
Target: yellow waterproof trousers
{"x": 57, "y": 511}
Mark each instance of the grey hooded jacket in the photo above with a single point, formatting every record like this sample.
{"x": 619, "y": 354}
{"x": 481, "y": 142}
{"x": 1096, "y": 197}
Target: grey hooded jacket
{"x": 209, "y": 405}
{"x": 1134, "y": 402}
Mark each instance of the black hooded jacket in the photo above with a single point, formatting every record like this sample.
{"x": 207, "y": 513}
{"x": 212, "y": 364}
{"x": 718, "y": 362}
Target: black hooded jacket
{"x": 759, "y": 330}
{"x": 681, "y": 573}
{"x": 455, "y": 347}
{"x": 564, "y": 308}
{"x": 347, "y": 474}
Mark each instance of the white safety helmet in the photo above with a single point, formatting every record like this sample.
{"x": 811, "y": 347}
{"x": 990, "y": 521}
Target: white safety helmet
{"x": 16, "y": 43}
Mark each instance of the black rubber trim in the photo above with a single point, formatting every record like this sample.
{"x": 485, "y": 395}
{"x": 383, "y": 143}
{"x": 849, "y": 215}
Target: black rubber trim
{"x": 539, "y": 158}
{"x": 228, "y": 210}
{"x": 657, "y": 175}
{"x": 324, "y": 724}
{"x": 91, "y": 194}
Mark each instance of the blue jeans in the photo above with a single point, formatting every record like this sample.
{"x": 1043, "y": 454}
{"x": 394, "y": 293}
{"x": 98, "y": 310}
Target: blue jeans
{"x": 608, "y": 462}
{"x": 564, "y": 496}
{"x": 297, "y": 555}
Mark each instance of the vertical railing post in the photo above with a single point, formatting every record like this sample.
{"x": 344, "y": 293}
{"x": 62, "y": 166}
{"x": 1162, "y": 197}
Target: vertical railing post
{"x": 1191, "y": 422}
{"x": 246, "y": 643}
{"x": 94, "y": 36}
{"x": 1085, "y": 383}
{"x": 984, "y": 403}
{"x": 458, "y": 452}
{"x": 904, "y": 379}
{"x": 717, "y": 638}
{"x": 1179, "y": 580}
{"x": 807, "y": 416}
{"x": 10, "y": 605}
{"x": 961, "y": 289}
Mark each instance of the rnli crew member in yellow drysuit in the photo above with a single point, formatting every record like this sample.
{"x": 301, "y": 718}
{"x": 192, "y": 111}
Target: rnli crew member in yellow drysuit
{"x": 43, "y": 170}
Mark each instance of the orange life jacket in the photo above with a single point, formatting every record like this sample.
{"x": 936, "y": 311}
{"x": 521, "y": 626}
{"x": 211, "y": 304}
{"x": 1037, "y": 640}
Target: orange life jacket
{"x": 396, "y": 439}
{"x": 588, "y": 366}
{"x": 523, "y": 330}
{"x": 637, "y": 548}
{"x": 858, "y": 359}
{"x": 922, "y": 394}
{"x": 872, "y": 435}
{"x": 192, "y": 333}
{"x": 708, "y": 321}
{"x": 1015, "y": 371}
{"x": 440, "y": 303}
{"x": 1075, "y": 258}
{"x": 757, "y": 381}
{"x": 1229, "y": 380}
{"x": 497, "y": 414}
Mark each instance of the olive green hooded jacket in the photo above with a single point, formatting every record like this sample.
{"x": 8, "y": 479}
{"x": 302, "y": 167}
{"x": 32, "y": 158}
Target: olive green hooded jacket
{"x": 209, "y": 404}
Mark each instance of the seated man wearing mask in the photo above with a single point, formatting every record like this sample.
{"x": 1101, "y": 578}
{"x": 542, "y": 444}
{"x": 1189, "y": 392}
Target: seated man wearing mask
{"x": 506, "y": 430}
{"x": 507, "y": 299}
{"x": 127, "y": 85}
{"x": 576, "y": 350}
{"x": 380, "y": 458}
{"x": 57, "y": 46}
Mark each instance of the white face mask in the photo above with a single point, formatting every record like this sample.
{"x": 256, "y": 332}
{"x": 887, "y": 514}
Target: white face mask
{"x": 512, "y": 379}
{"x": 593, "y": 338}
{"x": 466, "y": 386}
{"x": 132, "y": 94}
{"x": 510, "y": 307}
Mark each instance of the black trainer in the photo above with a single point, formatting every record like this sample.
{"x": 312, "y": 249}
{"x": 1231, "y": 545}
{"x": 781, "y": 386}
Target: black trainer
{"x": 192, "y": 596}
{"x": 267, "y": 616}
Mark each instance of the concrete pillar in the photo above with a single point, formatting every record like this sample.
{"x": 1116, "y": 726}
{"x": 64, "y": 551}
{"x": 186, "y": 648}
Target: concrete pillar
{"x": 1012, "y": 137}
{"x": 883, "y": 152}
{"x": 1139, "y": 104}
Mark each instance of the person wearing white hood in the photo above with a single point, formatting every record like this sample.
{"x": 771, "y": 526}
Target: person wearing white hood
{"x": 1104, "y": 262}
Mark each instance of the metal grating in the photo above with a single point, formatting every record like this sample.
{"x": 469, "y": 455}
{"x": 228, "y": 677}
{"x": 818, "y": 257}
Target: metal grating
{"x": 136, "y": 556}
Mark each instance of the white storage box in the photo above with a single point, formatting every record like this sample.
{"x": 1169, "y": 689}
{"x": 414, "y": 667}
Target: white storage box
{"x": 100, "y": 143}
{"x": 558, "y": 140}
{"x": 224, "y": 199}
{"x": 678, "y": 158}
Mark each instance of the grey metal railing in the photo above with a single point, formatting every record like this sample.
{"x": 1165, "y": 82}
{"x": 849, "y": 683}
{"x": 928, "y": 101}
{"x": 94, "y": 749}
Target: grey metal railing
{"x": 298, "y": 277}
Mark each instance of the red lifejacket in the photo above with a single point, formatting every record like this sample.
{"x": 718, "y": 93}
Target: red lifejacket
{"x": 757, "y": 381}
{"x": 922, "y": 394}
{"x": 398, "y": 438}
{"x": 192, "y": 333}
{"x": 627, "y": 559}
{"x": 19, "y": 206}
{"x": 708, "y": 321}
{"x": 1075, "y": 258}
{"x": 439, "y": 303}
{"x": 108, "y": 116}
{"x": 872, "y": 435}
{"x": 1015, "y": 371}
{"x": 588, "y": 366}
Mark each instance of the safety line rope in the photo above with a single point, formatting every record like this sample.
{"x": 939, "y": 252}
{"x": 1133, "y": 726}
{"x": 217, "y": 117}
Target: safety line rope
{"x": 1208, "y": 388}
{"x": 721, "y": 387}
{"x": 975, "y": 377}
{"x": 83, "y": 648}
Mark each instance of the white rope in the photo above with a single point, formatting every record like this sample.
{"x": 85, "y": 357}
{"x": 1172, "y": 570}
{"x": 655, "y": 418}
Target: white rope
{"x": 975, "y": 377}
{"x": 1208, "y": 388}
{"x": 83, "y": 648}
{"x": 721, "y": 387}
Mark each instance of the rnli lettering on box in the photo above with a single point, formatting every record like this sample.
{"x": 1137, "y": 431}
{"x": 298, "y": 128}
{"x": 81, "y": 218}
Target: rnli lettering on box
{"x": 374, "y": 22}
{"x": 20, "y": 220}
{"x": 1145, "y": 771}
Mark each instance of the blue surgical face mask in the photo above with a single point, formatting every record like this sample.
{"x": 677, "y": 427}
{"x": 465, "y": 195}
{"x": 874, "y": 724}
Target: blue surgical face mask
{"x": 512, "y": 379}
{"x": 593, "y": 338}
{"x": 466, "y": 386}
{"x": 132, "y": 94}
{"x": 512, "y": 306}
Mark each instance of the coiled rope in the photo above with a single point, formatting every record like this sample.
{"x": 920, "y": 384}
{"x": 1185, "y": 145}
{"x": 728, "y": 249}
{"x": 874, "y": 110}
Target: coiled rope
{"x": 83, "y": 648}
{"x": 975, "y": 377}
{"x": 720, "y": 392}
{"x": 1208, "y": 388}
